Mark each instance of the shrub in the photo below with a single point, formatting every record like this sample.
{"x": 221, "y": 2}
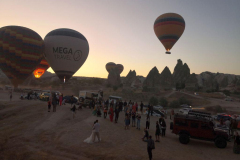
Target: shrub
{"x": 163, "y": 102}
{"x": 153, "y": 101}
{"x": 174, "y": 104}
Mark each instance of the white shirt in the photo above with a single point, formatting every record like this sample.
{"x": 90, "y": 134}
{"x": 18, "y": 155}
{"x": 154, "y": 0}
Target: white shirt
{"x": 227, "y": 123}
{"x": 96, "y": 127}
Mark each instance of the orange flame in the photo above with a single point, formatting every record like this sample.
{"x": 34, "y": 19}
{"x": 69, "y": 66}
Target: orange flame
{"x": 39, "y": 72}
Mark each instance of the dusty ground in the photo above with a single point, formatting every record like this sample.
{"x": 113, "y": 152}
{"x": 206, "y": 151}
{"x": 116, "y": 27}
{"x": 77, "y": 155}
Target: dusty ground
{"x": 28, "y": 131}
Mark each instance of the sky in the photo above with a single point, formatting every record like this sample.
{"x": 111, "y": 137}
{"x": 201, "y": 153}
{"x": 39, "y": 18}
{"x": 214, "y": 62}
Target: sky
{"x": 121, "y": 31}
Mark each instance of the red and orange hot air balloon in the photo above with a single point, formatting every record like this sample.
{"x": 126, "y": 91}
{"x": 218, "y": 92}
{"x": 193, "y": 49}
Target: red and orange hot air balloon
{"x": 120, "y": 68}
{"x": 41, "y": 68}
{"x": 168, "y": 28}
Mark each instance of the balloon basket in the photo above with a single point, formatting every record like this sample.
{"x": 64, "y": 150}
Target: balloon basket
{"x": 168, "y": 52}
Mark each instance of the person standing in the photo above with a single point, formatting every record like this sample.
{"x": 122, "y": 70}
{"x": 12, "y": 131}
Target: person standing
{"x": 136, "y": 104}
{"x": 133, "y": 118}
{"x": 111, "y": 114}
{"x": 96, "y": 128}
{"x": 49, "y": 106}
{"x": 126, "y": 122}
{"x": 116, "y": 114}
{"x": 105, "y": 112}
{"x": 57, "y": 99}
{"x": 141, "y": 107}
{"x": 138, "y": 121}
{"x": 151, "y": 108}
{"x": 228, "y": 123}
{"x": 134, "y": 107}
{"x": 157, "y": 133}
{"x": 172, "y": 114}
{"x": 10, "y": 95}
{"x": 147, "y": 122}
{"x": 150, "y": 147}
{"x": 146, "y": 135}
{"x": 60, "y": 99}
{"x": 73, "y": 111}
{"x": 163, "y": 125}
{"x": 125, "y": 105}
{"x": 54, "y": 102}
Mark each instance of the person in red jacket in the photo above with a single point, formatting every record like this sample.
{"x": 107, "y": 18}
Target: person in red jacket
{"x": 111, "y": 114}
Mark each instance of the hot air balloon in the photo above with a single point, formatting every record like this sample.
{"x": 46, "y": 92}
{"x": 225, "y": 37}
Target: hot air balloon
{"x": 66, "y": 50}
{"x": 110, "y": 66}
{"x": 120, "y": 68}
{"x": 41, "y": 68}
{"x": 168, "y": 28}
{"x": 21, "y": 50}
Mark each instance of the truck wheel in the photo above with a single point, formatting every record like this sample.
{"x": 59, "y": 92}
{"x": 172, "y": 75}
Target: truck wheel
{"x": 171, "y": 125}
{"x": 220, "y": 142}
{"x": 184, "y": 138}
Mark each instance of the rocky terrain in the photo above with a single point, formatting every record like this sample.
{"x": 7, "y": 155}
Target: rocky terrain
{"x": 181, "y": 78}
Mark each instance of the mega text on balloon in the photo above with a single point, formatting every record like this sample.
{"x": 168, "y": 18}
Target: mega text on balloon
{"x": 63, "y": 50}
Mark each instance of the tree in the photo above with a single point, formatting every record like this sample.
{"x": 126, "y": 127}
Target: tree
{"x": 163, "y": 102}
{"x": 153, "y": 101}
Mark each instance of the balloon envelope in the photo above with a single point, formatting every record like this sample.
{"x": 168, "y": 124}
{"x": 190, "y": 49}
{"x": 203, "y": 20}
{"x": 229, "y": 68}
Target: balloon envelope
{"x": 120, "y": 68}
{"x": 110, "y": 66}
{"x": 168, "y": 28}
{"x": 66, "y": 50}
{"x": 41, "y": 68}
{"x": 21, "y": 50}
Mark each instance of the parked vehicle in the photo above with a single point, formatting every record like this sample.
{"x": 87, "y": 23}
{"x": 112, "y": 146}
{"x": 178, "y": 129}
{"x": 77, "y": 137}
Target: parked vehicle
{"x": 198, "y": 125}
{"x": 157, "y": 107}
{"x": 184, "y": 110}
{"x": 44, "y": 96}
{"x": 115, "y": 99}
{"x": 185, "y": 106}
{"x": 89, "y": 94}
{"x": 224, "y": 117}
{"x": 156, "y": 113}
{"x": 68, "y": 99}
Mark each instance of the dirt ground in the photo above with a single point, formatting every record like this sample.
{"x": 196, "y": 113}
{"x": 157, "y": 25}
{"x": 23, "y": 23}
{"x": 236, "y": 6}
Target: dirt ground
{"x": 28, "y": 131}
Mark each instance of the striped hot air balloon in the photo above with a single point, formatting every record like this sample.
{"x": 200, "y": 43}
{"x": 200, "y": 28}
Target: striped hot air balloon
{"x": 168, "y": 28}
{"x": 21, "y": 50}
{"x": 110, "y": 66}
{"x": 41, "y": 68}
{"x": 120, "y": 68}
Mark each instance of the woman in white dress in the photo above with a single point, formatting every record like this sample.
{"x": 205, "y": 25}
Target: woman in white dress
{"x": 90, "y": 139}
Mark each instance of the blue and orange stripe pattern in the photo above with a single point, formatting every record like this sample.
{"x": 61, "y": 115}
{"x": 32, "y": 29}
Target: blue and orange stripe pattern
{"x": 168, "y": 28}
{"x": 21, "y": 50}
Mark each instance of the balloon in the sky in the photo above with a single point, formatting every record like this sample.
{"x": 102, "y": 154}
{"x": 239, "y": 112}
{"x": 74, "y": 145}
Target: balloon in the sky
{"x": 66, "y": 50}
{"x": 168, "y": 28}
{"x": 21, "y": 50}
{"x": 120, "y": 68}
{"x": 110, "y": 66}
{"x": 41, "y": 68}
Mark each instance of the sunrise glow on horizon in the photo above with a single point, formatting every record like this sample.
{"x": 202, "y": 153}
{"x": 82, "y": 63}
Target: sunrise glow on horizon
{"x": 122, "y": 32}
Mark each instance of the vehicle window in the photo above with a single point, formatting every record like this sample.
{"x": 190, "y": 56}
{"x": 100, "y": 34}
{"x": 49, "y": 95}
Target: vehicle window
{"x": 194, "y": 125}
{"x": 181, "y": 123}
{"x": 205, "y": 126}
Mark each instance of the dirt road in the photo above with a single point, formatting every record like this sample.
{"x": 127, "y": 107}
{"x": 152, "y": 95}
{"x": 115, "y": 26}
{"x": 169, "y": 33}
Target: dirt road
{"x": 28, "y": 131}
